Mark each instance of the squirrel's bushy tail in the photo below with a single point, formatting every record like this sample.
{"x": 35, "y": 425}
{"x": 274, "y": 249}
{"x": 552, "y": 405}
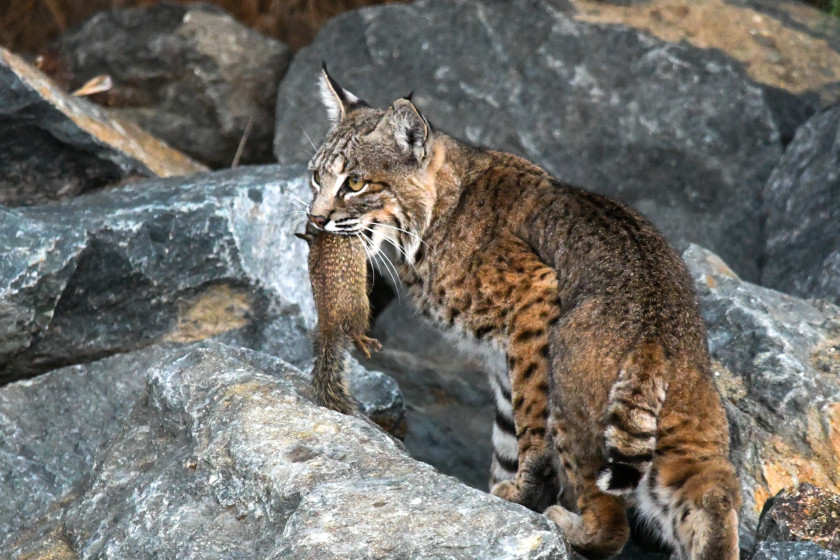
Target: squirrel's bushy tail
{"x": 328, "y": 374}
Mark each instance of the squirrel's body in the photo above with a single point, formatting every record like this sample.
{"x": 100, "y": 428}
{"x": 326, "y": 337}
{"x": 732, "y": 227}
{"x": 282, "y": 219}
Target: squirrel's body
{"x": 338, "y": 275}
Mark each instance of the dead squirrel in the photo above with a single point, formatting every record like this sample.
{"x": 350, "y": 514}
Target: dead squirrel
{"x": 338, "y": 275}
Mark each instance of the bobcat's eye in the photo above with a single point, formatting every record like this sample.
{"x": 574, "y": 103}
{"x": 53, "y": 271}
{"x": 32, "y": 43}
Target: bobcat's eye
{"x": 356, "y": 184}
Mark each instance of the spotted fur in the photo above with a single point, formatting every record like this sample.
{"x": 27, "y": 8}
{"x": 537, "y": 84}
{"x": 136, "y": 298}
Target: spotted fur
{"x": 607, "y": 391}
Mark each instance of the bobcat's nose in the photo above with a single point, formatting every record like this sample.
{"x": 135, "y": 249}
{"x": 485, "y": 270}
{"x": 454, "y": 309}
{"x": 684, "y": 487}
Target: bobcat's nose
{"x": 319, "y": 221}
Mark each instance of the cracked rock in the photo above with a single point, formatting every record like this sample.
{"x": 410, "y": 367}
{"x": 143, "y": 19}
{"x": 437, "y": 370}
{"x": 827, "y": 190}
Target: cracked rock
{"x": 179, "y": 259}
{"x": 225, "y": 456}
{"x": 56, "y": 146}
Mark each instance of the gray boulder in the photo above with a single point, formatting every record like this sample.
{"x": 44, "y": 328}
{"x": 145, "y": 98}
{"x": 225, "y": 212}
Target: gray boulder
{"x": 679, "y": 132}
{"x": 776, "y": 359}
{"x": 55, "y": 145}
{"x": 802, "y": 204}
{"x": 792, "y": 551}
{"x": 178, "y": 259}
{"x": 52, "y": 427}
{"x": 189, "y": 74}
{"x": 56, "y": 424}
{"x": 225, "y": 457}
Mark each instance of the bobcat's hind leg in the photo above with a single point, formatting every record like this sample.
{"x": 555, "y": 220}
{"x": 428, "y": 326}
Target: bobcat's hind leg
{"x": 599, "y": 528}
{"x": 695, "y": 503}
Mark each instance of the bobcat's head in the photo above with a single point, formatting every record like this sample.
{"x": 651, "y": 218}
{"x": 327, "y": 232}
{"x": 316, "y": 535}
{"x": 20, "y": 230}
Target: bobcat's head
{"x": 369, "y": 175}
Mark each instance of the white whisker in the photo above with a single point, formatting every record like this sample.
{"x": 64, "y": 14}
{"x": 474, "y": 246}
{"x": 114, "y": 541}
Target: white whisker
{"x": 376, "y": 259}
{"x": 383, "y": 258}
{"x": 411, "y": 233}
{"x": 398, "y": 247}
{"x": 296, "y": 199}
{"x": 306, "y": 134}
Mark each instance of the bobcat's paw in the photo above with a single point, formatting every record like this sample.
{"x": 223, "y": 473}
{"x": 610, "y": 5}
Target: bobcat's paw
{"x": 506, "y": 490}
{"x": 564, "y": 518}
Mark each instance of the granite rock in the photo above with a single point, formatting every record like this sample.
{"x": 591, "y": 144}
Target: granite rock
{"x": 681, "y": 133}
{"x": 792, "y": 551}
{"x": 225, "y": 457}
{"x": 179, "y": 259}
{"x": 785, "y": 44}
{"x": 776, "y": 359}
{"x": 56, "y": 424}
{"x": 802, "y": 205}
{"x": 189, "y": 74}
{"x": 803, "y": 513}
{"x": 52, "y": 427}
{"x": 55, "y": 145}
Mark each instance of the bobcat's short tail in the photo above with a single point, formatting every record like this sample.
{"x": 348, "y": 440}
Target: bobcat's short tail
{"x": 633, "y": 409}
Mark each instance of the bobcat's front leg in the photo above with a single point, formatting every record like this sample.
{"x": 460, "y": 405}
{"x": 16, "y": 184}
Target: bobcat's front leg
{"x": 533, "y": 311}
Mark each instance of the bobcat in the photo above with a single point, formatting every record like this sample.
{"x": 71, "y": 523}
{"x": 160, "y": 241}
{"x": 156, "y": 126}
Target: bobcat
{"x": 607, "y": 389}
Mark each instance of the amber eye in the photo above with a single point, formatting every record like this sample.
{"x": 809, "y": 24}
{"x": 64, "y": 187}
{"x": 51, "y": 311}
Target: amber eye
{"x": 316, "y": 177}
{"x": 356, "y": 184}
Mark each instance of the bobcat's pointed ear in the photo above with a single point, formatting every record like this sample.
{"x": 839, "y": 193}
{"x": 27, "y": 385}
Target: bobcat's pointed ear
{"x": 408, "y": 126}
{"x": 337, "y": 100}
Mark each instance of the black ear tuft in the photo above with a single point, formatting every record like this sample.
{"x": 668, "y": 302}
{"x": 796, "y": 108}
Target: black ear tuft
{"x": 337, "y": 100}
{"x": 410, "y": 128}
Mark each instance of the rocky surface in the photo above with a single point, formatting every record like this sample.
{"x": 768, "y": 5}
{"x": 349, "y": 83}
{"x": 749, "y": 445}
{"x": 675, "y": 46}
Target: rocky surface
{"x": 191, "y": 75}
{"x": 803, "y": 513}
{"x": 802, "y": 204}
{"x": 777, "y": 363}
{"x": 55, "y": 425}
{"x": 782, "y": 43}
{"x": 792, "y": 551}
{"x": 55, "y": 145}
{"x": 224, "y": 456}
{"x": 680, "y": 132}
{"x": 179, "y": 259}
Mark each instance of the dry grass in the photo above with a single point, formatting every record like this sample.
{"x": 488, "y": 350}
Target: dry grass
{"x": 27, "y": 26}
